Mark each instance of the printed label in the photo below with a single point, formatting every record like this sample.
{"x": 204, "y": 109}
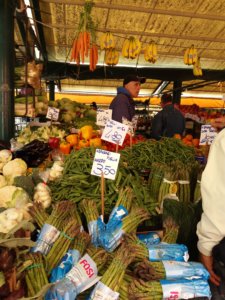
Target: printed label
{"x": 106, "y": 163}
{"x": 52, "y": 113}
{"x": 46, "y": 238}
{"x": 114, "y": 132}
{"x": 208, "y": 134}
{"x": 103, "y": 116}
{"x": 103, "y": 292}
{"x": 83, "y": 273}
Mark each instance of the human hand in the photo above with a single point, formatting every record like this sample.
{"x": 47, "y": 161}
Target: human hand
{"x": 218, "y": 123}
{"x": 207, "y": 261}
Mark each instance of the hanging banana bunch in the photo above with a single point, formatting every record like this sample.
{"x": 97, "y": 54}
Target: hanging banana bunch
{"x": 111, "y": 57}
{"x": 107, "y": 41}
{"x": 190, "y": 55}
{"x": 150, "y": 53}
{"x": 197, "y": 70}
{"x": 131, "y": 47}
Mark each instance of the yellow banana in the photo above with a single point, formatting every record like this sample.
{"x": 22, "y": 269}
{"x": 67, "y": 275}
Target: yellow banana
{"x": 116, "y": 57}
{"x": 102, "y": 41}
{"x": 112, "y": 40}
{"x": 154, "y": 51}
{"x": 186, "y": 56}
{"x": 150, "y": 51}
{"x": 137, "y": 47}
{"x": 190, "y": 55}
{"x": 194, "y": 56}
{"x": 130, "y": 47}
{"x": 125, "y": 48}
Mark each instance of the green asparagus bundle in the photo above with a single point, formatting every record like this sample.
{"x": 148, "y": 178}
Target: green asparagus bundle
{"x": 35, "y": 274}
{"x": 125, "y": 198}
{"x": 89, "y": 208}
{"x": 134, "y": 218}
{"x": 141, "y": 290}
{"x": 148, "y": 270}
{"x": 171, "y": 231}
{"x": 113, "y": 276}
{"x": 184, "y": 185}
{"x": 38, "y": 213}
{"x": 75, "y": 214}
{"x": 141, "y": 251}
{"x": 62, "y": 244}
{"x": 168, "y": 184}
{"x": 59, "y": 214}
{"x": 81, "y": 242}
{"x": 99, "y": 256}
{"x": 156, "y": 178}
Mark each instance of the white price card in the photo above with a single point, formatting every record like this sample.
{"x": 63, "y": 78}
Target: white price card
{"x": 114, "y": 132}
{"x": 103, "y": 116}
{"x": 52, "y": 113}
{"x": 208, "y": 134}
{"x": 106, "y": 163}
{"x": 129, "y": 124}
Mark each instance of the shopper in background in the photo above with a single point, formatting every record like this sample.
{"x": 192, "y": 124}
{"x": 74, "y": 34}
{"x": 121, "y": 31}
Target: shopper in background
{"x": 123, "y": 105}
{"x": 169, "y": 121}
{"x": 211, "y": 228}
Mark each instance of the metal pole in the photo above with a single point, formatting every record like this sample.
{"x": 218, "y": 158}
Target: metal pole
{"x": 51, "y": 90}
{"x": 6, "y": 70}
{"x": 177, "y": 88}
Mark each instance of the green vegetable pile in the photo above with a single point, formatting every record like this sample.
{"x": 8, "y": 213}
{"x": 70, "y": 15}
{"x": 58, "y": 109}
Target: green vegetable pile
{"x": 145, "y": 153}
{"x": 77, "y": 183}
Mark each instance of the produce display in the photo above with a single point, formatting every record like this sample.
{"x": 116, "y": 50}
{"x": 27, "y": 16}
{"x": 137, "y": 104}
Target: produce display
{"x": 62, "y": 200}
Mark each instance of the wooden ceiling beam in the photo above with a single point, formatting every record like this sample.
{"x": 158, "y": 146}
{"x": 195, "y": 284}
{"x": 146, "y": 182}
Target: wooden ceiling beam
{"x": 142, "y": 9}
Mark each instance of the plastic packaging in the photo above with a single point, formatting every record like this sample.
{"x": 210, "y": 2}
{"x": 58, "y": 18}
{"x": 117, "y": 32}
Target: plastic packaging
{"x": 150, "y": 238}
{"x": 163, "y": 251}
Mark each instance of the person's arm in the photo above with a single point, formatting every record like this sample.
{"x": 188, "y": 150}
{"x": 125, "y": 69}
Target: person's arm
{"x": 157, "y": 126}
{"x": 211, "y": 229}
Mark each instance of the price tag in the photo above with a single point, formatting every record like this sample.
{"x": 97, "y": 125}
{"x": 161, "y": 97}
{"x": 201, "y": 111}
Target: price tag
{"x": 129, "y": 124}
{"x": 114, "y": 132}
{"x": 208, "y": 134}
{"x": 103, "y": 116}
{"x": 105, "y": 162}
{"x": 52, "y": 113}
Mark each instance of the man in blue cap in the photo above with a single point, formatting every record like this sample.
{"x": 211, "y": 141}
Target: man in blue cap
{"x": 123, "y": 105}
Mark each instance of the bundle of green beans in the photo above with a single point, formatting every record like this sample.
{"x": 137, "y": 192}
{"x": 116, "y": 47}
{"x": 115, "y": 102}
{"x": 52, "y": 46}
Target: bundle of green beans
{"x": 148, "y": 270}
{"x": 35, "y": 274}
{"x": 81, "y": 241}
{"x": 62, "y": 244}
{"x": 141, "y": 290}
{"x": 38, "y": 214}
{"x": 124, "y": 286}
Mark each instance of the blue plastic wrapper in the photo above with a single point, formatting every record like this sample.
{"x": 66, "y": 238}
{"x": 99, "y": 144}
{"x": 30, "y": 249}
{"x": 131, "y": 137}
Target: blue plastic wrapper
{"x": 163, "y": 251}
{"x": 68, "y": 261}
{"x": 110, "y": 234}
{"x": 189, "y": 270}
{"x": 150, "y": 238}
{"x": 93, "y": 231}
{"x": 110, "y": 238}
{"x": 117, "y": 214}
{"x": 62, "y": 290}
{"x": 185, "y": 289}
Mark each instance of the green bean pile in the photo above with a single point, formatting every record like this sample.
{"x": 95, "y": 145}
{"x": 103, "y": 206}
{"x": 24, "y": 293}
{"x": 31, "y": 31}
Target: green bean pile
{"x": 77, "y": 183}
{"x": 143, "y": 154}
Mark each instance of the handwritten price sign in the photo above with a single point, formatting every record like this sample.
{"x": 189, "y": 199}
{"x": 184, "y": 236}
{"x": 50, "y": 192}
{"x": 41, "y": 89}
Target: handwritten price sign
{"x": 114, "y": 132}
{"x": 103, "y": 116}
{"x": 52, "y": 113}
{"x": 208, "y": 134}
{"x": 105, "y": 162}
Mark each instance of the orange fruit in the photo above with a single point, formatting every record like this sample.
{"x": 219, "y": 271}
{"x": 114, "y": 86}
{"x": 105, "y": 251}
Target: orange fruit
{"x": 189, "y": 137}
{"x": 177, "y": 136}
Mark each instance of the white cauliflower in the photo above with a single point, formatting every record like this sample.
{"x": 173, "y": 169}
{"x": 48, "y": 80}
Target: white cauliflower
{"x": 2, "y": 181}
{"x": 42, "y": 195}
{"x": 13, "y": 168}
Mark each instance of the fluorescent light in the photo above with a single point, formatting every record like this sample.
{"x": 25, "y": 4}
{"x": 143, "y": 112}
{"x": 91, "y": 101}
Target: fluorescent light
{"x": 203, "y": 95}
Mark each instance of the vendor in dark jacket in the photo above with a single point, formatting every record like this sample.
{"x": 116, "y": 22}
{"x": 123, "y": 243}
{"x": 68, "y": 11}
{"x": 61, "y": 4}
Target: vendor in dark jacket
{"x": 123, "y": 104}
{"x": 168, "y": 121}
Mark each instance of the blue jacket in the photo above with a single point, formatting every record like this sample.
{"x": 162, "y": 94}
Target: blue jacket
{"x": 167, "y": 122}
{"x": 122, "y": 105}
